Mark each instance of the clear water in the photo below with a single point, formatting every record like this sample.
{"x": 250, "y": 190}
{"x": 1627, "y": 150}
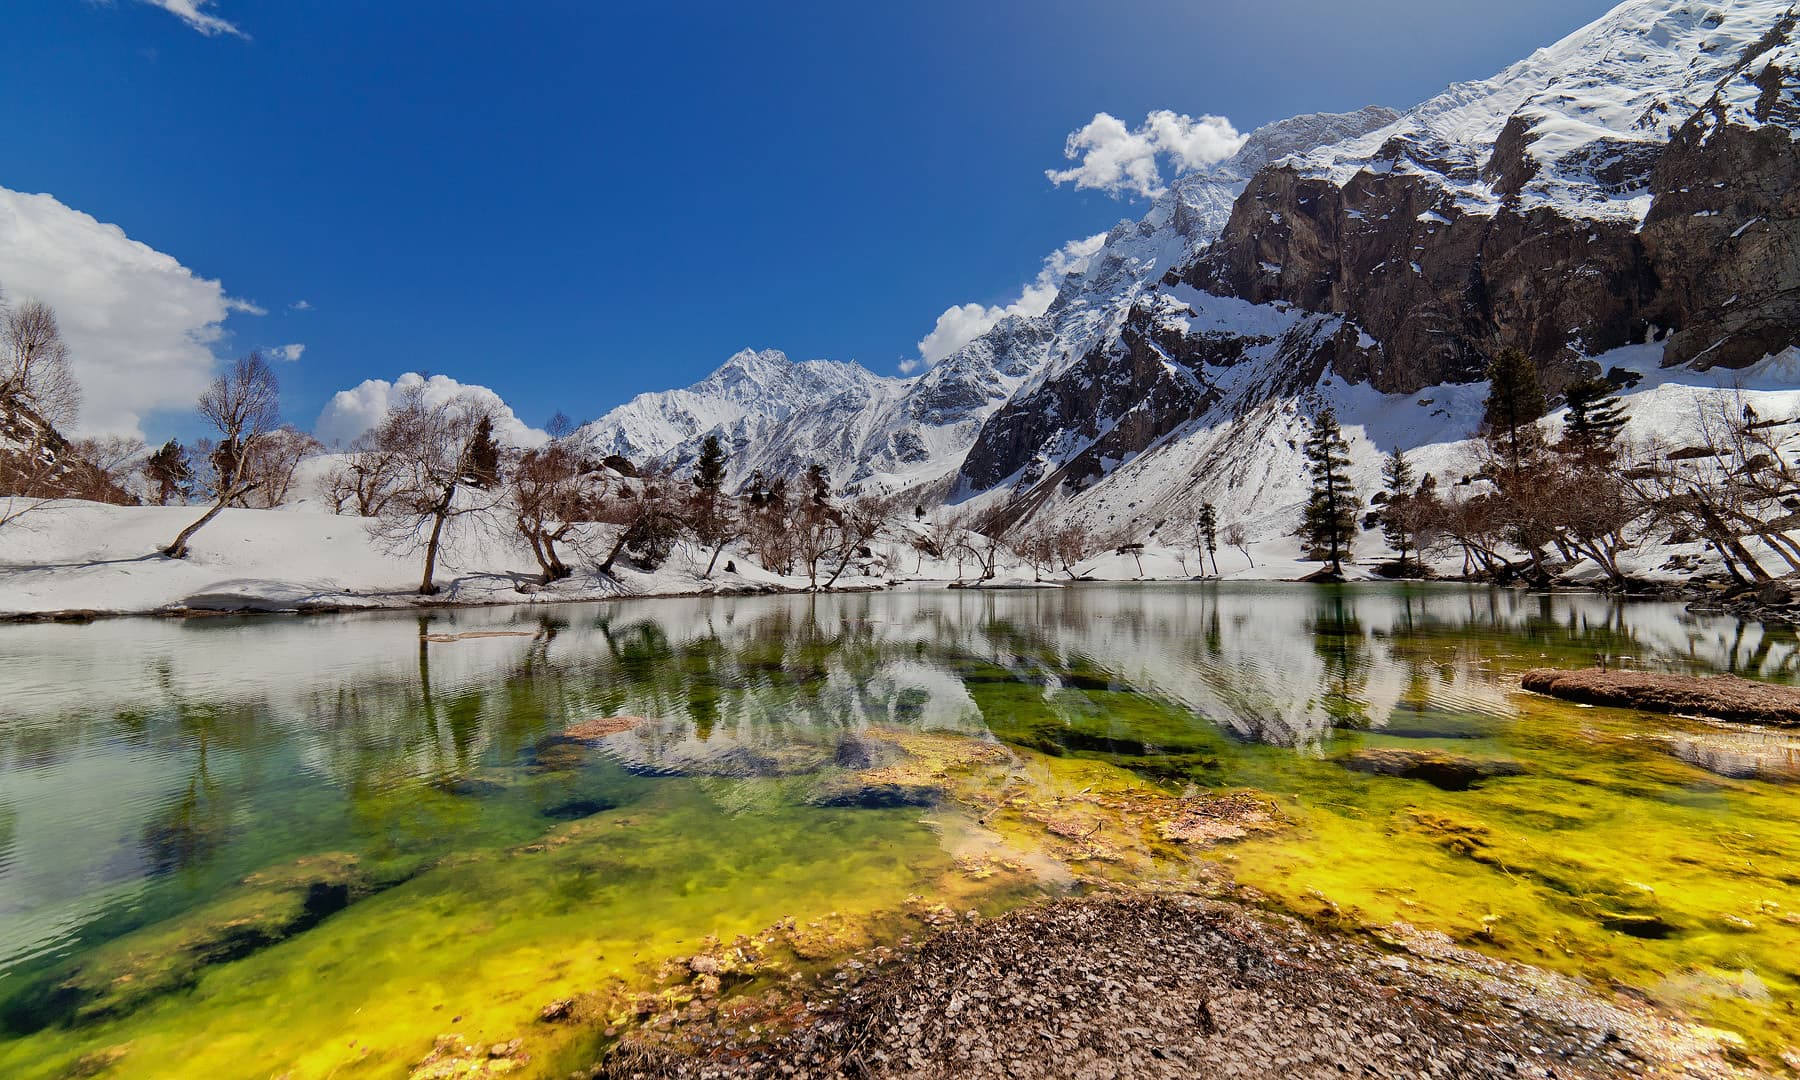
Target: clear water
{"x": 306, "y": 847}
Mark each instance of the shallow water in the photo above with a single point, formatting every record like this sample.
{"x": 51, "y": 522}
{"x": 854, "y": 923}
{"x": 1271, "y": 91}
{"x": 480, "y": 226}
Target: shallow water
{"x": 251, "y": 847}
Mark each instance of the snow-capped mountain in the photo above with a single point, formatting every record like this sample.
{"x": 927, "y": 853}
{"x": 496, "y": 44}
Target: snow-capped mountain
{"x": 1621, "y": 202}
{"x": 876, "y": 433}
{"x": 1633, "y": 183}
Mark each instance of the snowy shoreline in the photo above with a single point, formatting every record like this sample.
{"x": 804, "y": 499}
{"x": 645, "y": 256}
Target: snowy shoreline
{"x": 79, "y": 561}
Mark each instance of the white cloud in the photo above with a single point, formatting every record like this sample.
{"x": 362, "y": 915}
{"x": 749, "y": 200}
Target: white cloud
{"x": 1113, "y": 158}
{"x": 961, "y": 324}
{"x": 351, "y": 412}
{"x": 138, "y": 323}
{"x": 245, "y": 307}
{"x": 194, "y": 13}
{"x": 289, "y": 353}
{"x": 300, "y": 305}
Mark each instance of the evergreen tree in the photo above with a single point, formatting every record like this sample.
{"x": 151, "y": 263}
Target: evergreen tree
{"x": 709, "y": 472}
{"x": 1209, "y": 536}
{"x": 1515, "y": 403}
{"x": 1595, "y": 416}
{"x": 1329, "y": 524}
{"x": 712, "y": 520}
{"x": 818, "y": 484}
{"x": 171, "y": 472}
{"x": 484, "y": 456}
{"x": 1397, "y": 476}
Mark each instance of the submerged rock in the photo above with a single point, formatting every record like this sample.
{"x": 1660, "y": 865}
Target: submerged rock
{"x": 1449, "y": 772}
{"x": 1722, "y": 697}
{"x": 600, "y": 728}
{"x": 264, "y": 909}
{"x": 876, "y": 794}
{"x": 1737, "y": 754}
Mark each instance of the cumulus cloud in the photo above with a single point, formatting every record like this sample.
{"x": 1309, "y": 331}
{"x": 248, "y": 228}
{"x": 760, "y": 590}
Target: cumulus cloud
{"x": 289, "y": 353}
{"x": 140, "y": 326}
{"x": 351, "y": 412}
{"x": 194, "y": 13}
{"x": 1113, "y": 158}
{"x": 961, "y": 324}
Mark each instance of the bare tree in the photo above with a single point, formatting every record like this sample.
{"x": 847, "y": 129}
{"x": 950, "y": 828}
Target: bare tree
{"x": 107, "y": 466}
{"x": 1237, "y": 537}
{"x": 34, "y": 362}
{"x": 985, "y": 548}
{"x": 366, "y": 477}
{"x": 448, "y": 467}
{"x": 1038, "y": 548}
{"x": 272, "y": 461}
{"x": 646, "y": 511}
{"x": 767, "y": 508}
{"x": 858, "y": 524}
{"x": 242, "y": 406}
{"x": 1073, "y": 546}
{"x": 555, "y": 489}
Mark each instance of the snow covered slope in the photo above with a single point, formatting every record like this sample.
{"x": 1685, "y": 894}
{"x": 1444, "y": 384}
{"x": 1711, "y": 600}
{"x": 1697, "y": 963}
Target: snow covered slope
{"x": 1617, "y": 190}
{"x": 1577, "y": 124}
{"x": 876, "y": 433}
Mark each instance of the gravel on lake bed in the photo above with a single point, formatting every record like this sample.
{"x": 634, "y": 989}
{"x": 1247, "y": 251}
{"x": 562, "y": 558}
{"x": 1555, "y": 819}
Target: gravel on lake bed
{"x": 1176, "y": 986}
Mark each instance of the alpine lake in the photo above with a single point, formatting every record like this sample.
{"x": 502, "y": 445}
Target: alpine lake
{"x": 311, "y": 846}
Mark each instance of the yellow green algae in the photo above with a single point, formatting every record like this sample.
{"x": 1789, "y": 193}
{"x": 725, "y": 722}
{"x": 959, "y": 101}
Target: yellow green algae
{"x": 323, "y": 873}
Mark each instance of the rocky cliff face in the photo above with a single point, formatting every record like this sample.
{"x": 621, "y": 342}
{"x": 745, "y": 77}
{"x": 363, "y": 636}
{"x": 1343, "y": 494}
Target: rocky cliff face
{"x": 1633, "y": 182}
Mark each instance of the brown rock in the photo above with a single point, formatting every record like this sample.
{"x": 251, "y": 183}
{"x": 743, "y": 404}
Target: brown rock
{"x": 1723, "y": 697}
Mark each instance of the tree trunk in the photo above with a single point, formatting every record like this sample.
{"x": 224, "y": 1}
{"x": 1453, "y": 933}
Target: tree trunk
{"x": 710, "y": 563}
{"x": 440, "y": 514}
{"x": 178, "y": 549}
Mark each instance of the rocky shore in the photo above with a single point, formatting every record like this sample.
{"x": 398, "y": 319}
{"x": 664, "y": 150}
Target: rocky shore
{"x": 1177, "y": 986}
{"x": 1720, "y": 697}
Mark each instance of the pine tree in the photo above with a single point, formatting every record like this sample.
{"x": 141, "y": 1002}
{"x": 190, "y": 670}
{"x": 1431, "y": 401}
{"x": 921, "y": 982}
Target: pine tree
{"x": 171, "y": 472}
{"x": 1209, "y": 535}
{"x": 484, "y": 456}
{"x": 1515, "y": 403}
{"x": 709, "y": 472}
{"x": 818, "y": 484}
{"x": 1595, "y": 416}
{"x": 1329, "y": 524}
{"x": 1397, "y": 476}
{"x": 713, "y": 521}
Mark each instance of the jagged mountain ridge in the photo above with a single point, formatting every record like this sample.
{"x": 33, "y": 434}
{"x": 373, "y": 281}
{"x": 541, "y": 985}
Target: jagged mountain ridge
{"x": 1629, "y": 191}
{"x": 1401, "y": 260}
{"x": 879, "y": 433}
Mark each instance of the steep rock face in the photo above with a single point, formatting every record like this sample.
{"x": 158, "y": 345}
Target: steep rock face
{"x": 1635, "y": 178}
{"x": 1724, "y": 232}
{"x": 38, "y": 462}
{"x": 1437, "y": 289}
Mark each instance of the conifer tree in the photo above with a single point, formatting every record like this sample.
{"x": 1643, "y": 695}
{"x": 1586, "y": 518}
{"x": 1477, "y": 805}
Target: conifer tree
{"x": 713, "y": 521}
{"x": 1209, "y": 536}
{"x": 1595, "y": 416}
{"x": 484, "y": 456}
{"x": 170, "y": 472}
{"x": 1329, "y": 523}
{"x": 1515, "y": 403}
{"x": 1396, "y": 524}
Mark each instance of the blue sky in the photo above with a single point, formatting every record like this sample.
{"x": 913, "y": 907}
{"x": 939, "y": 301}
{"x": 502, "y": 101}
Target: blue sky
{"x": 573, "y": 202}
